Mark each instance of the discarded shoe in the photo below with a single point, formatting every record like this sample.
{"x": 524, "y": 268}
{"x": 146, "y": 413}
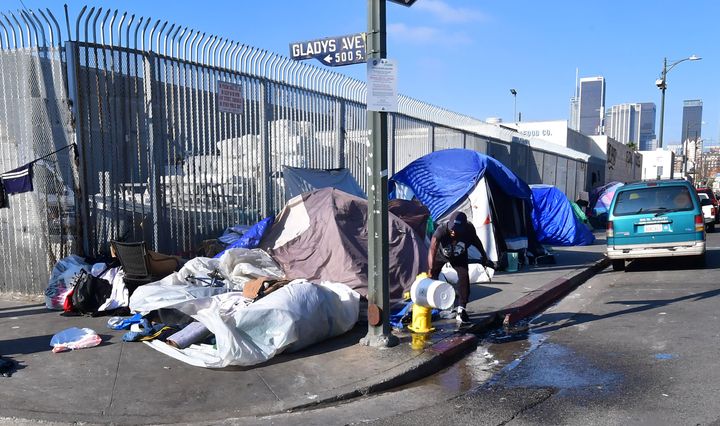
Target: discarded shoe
{"x": 7, "y": 367}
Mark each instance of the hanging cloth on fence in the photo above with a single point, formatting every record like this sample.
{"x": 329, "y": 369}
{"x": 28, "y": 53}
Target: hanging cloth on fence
{"x": 3, "y": 196}
{"x": 18, "y": 180}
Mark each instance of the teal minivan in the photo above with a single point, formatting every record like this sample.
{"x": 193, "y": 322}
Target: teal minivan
{"x": 658, "y": 218}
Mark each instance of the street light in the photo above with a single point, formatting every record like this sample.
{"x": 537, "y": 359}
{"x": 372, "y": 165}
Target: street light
{"x": 661, "y": 83}
{"x": 514, "y": 93}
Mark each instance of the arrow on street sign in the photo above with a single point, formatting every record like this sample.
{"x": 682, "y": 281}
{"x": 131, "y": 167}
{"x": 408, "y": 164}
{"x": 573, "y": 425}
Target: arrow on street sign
{"x": 332, "y": 51}
{"x": 407, "y": 3}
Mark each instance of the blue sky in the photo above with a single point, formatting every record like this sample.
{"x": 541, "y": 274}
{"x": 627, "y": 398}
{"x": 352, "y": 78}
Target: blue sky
{"x": 466, "y": 55}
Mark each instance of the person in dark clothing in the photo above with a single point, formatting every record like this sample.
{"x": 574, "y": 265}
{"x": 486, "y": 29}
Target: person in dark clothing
{"x": 450, "y": 244}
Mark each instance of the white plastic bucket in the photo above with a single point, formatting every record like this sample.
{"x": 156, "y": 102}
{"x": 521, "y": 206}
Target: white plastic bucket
{"x": 432, "y": 293}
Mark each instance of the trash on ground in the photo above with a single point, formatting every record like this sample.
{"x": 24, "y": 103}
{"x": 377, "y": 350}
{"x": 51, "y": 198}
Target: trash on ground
{"x": 74, "y": 338}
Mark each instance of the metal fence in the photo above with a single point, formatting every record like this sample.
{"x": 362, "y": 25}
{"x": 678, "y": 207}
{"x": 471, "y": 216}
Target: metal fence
{"x": 162, "y": 156}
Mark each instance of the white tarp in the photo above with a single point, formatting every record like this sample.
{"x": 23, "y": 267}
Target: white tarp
{"x": 288, "y": 319}
{"x": 235, "y": 267}
{"x": 299, "y": 180}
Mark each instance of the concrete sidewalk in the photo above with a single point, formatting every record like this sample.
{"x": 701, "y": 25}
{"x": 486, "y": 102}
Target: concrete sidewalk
{"x": 130, "y": 383}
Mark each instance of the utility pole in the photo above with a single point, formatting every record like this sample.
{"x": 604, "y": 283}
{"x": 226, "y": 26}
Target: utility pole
{"x": 379, "y": 331}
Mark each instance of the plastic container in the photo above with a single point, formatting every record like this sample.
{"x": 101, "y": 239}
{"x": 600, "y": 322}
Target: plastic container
{"x": 432, "y": 293}
{"x": 512, "y": 261}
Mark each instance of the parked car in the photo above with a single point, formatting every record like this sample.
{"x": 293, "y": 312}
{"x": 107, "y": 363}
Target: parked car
{"x": 711, "y": 195}
{"x": 658, "y": 218}
{"x": 709, "y": 211}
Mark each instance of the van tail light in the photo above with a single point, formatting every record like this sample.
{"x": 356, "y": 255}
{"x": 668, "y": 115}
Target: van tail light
{"x": 712, "y": 211}
{"x": 610, "y": 230}
{"x": 699, "y": 223}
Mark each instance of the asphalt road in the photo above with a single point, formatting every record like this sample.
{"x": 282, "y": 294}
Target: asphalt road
{"x": 634, "y": 347}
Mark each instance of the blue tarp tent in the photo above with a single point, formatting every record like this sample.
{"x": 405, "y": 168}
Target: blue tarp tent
{"x": 441, "y": 179}
{"x": 495, "y": 200}
{"x": 554, "y": 221}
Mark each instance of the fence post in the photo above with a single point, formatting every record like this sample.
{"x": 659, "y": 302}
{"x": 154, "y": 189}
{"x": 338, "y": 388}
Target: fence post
{"x": 72, "y": 54}
{"x": 432, "y": 138}
{"x": 155, "y": 145}
{"x": 267, "y": 178}
{"x": 391, "y": 143}
{"x": 340, "y": 132}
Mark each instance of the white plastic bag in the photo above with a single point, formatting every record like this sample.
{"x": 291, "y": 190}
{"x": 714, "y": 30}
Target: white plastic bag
{"x": 62, "y": 280}
{"x": 289, "y": 319}
{"x": 74, "y": 338}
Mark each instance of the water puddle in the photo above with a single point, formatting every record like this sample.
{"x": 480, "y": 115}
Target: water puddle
{"x": 521, "y": 358}
{"x": 539, "y": 363}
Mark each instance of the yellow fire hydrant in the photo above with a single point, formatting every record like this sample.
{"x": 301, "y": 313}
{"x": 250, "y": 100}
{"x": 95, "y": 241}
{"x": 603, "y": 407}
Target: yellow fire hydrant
{"x": 427, "y": 294}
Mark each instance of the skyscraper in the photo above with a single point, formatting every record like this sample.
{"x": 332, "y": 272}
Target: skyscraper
{"x": 632, "y": 123}
{"x": 591, "y": 106}
{"x": 692, "y": 120}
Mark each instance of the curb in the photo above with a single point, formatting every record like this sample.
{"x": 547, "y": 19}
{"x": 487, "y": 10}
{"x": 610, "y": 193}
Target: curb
{"x": 538, "y": 299}
{"x": 430, "y": 361}
{"x": 454, "y": 347}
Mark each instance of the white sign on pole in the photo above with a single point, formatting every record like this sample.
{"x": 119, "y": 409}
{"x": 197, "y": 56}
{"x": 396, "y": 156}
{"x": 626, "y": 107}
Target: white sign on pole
{"x": 229, "y": 97}
{"x": 382, "y": 85}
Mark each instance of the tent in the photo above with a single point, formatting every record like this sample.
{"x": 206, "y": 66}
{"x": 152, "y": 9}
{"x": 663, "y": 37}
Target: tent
{"x": 554, "y": 219}
{"x": 414, "y": 213}
{"x": 600, "y": 199}
{"x": 299, "y": 180}
{"x": 322, "y": 235}
{"x": 495, "y": 200}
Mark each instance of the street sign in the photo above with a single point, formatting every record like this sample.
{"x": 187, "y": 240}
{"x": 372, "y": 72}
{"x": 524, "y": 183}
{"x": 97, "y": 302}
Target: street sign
{"x": 332, "y": 51}
{"x": 407, "y": 3}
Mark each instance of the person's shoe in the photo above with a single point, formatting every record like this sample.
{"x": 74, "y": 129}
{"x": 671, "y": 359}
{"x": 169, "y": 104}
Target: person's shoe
{"x": 462, "y": 317}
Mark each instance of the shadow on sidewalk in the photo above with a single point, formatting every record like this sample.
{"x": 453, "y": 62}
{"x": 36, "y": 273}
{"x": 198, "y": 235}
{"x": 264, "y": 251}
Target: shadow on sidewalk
{"x": 26, "y": 345}
{"x": 351, "y": 338}
{"x": 14, "y": 308}
{"x": 642, "y": 305}
{"x": 19, "y": 312}
{"x": 479, "y": 291}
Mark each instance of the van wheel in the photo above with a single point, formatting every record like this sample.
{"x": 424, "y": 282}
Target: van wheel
{"x": 618, "y": 265}
{"x": 699, "y": 260}
{"x": 711, "y": 227}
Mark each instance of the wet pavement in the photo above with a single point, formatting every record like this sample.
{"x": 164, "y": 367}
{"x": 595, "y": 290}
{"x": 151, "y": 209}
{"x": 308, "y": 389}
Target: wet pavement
{"x": 635, "y": 347}
{"x": 114, "y": 380}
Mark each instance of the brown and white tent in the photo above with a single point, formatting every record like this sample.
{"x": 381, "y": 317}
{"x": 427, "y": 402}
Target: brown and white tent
{"x": 322, "y": 235}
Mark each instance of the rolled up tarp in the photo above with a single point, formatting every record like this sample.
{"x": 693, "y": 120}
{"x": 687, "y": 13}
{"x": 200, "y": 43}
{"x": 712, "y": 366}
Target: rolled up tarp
{"x": 193, "y": 333}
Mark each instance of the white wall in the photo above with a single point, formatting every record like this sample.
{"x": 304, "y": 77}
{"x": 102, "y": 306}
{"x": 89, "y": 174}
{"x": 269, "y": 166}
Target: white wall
{"x": 658, "y": 159}
{"x": 551, "y": 131}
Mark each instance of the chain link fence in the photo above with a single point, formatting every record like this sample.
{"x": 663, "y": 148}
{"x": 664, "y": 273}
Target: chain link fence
{"x": 181, "y": 134}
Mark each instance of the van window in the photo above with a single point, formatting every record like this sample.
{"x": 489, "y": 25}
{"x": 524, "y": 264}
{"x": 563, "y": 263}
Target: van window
{"x": 656, "y": 199}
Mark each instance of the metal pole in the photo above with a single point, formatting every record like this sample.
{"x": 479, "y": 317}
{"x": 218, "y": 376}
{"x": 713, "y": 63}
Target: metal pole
{"x": 379, "y": 332}
{"x": 685, "y": 153}
{"x": 515, "y": 107}
{"x": 683, "y": 166}
{"x": 662, "y": 102}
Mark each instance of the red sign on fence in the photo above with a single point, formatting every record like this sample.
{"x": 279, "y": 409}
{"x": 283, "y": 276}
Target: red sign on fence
{"x": 229, "y": 97}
